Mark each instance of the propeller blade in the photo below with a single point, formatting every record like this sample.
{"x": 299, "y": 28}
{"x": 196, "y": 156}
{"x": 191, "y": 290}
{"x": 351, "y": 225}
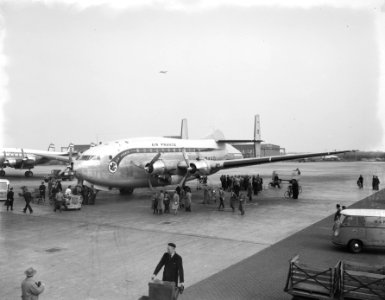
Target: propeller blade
{"x": 188, "y": 170}
{"x": 156, "y": 157}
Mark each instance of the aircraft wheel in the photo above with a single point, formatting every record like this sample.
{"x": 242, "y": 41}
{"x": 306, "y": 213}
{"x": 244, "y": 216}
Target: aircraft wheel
{"x": 2, "y": 173}
{"x": 355, "y": 246}
{"x": 28, "y": 174}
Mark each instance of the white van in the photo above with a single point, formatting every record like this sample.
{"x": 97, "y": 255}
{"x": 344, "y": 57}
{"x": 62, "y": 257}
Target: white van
{"x": 4, "y": 185}
{"x": 360, "y": 228}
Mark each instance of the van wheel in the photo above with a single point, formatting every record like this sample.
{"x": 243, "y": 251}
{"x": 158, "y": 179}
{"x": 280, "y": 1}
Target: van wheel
{"x": 355, "y": 246}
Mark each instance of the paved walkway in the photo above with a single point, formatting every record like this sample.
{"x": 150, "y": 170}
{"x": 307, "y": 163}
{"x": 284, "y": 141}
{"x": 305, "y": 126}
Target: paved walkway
{"x": 263, "y": 275}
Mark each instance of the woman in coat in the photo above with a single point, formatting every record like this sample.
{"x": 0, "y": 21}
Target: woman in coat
{"x": 175, "y": 203}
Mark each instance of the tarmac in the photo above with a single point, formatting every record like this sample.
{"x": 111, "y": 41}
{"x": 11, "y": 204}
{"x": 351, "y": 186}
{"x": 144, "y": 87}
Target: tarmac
{"x": 263, "y": 275}
{"x": 109, "y": 250}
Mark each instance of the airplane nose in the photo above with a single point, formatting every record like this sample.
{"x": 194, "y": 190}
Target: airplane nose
{"x": 78, "y": 169}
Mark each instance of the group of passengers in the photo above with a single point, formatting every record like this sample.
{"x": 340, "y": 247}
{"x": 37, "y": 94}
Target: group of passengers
{"x": 375, "y": 182}
{"x": 164, "y": 201}
{"x": 251, "y": 184}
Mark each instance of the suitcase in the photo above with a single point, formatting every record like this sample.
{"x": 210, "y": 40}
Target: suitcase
{"x": 162, "y": 290}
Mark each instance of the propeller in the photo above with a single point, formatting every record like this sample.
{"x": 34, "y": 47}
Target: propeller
{"x": 188, "y": 169}
{"x": 148, "y": 168}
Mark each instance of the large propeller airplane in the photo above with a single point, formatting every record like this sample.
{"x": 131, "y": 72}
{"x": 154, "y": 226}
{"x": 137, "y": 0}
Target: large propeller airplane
{"x": 160, "y": 161}
{"x": 27, "y": 159}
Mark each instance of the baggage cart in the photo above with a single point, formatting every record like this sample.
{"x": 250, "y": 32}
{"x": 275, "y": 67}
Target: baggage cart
{"x": 361, "y": 281}
{"x": 73, "y": 202}
{"x": 310, "y": 282}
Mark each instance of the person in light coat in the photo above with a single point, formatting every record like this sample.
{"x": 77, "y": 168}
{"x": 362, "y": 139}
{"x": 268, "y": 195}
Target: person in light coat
{"x": 30, "y": 289}
{"x": 175, "y": 203}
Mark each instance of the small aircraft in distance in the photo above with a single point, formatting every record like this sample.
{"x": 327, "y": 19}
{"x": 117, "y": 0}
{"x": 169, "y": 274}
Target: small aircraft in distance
{"x": 163, "y": 72}
{"x": 27, "y": 159}
{"x": 160, "y": 161}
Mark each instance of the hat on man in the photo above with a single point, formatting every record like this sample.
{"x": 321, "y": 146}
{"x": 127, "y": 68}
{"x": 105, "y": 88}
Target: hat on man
{"x": 172, "y": 245}
{"x": 30, "y": 272}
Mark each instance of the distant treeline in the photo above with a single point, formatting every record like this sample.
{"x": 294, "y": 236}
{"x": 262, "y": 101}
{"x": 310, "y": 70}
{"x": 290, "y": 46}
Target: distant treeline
{"x": 363, "y": 155}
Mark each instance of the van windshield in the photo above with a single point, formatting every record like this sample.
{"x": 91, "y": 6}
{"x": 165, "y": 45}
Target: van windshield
{"x": 3, "y": 186}
{"x": 352, "y": 220}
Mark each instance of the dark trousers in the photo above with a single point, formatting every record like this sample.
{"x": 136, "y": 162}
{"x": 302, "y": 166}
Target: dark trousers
{"x": 241, "y": 208}
{"x": 27, "y": 206}
{"x": 221, "y": 204}
{"x": 236, "y": 190}
{"x": 232, "y": 205}
{"x": 10, "y": 204}
{"x": 42, "y": 195}
{"x": 58, "y": 205}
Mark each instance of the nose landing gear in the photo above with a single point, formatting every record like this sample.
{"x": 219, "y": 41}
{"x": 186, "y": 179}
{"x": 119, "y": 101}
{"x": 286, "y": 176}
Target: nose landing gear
{"x": 126, "y": 191}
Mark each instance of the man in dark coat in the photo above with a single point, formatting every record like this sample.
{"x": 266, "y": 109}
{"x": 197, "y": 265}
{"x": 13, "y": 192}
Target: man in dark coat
{"x": 173, "y": 266}
{"x": 295, "y": 188}
{"x": 9, "y": 202}
{"x": 42, "y": 189}
{"x": 28, "y": 198}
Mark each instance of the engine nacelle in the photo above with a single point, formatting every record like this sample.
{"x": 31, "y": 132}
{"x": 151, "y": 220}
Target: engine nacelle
{"x": 157, "y": 168}
{"x": 10, "y": 162}
{"x": 201, "y": 167}
{"x": 30, "y": 160}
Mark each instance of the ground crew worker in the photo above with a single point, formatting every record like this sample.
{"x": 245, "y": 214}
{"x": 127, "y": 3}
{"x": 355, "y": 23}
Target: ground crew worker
{"x": 166, "y": 202}
{"x": 221, "y": 199}
{"x": 233, "y": 197}
{"x": 10, "y": 195}
{"x": 375, "y": 183}
{"x": 295, "y": 188}
{"x": 241, "y": 203}
{"x": 337, "y": 215}
{"x": 173, "y": 266}
{"x": 360, "y": 182}
{"x": 30, "y": 289}
{"x": 58, "y": 201}
{"x": 250, "y": 191}
{"x": 42, "y": 189}
{"x": 155, "y": 204}
{"x": 161, "y": 202}
{"x": 28, "y": 198}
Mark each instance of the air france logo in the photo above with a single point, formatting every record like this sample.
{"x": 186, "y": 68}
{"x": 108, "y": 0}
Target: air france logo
{"x": 113, "y": 167}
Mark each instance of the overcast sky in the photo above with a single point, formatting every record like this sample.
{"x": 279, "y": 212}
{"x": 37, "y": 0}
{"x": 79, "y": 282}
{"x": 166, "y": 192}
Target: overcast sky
{"x": 80, "y": 75}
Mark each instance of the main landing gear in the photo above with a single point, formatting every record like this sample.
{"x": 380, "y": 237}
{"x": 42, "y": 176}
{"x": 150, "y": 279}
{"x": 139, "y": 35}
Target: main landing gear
{"x": 2, "y": 173}
{"x": 126, "y": 191}
{"x": 28, "y": 173}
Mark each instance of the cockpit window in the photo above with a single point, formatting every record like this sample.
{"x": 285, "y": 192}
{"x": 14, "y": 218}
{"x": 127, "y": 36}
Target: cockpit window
{"x": 89, "y": 157}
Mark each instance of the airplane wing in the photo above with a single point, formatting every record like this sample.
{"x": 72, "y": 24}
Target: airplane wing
{"x": 242, "y": 162}
{"x": 60, "y": 156}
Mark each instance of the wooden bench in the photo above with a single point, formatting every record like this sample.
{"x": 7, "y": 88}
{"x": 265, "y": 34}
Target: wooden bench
{"x": 310, "y": 282}
{"x": 361, "y": 281}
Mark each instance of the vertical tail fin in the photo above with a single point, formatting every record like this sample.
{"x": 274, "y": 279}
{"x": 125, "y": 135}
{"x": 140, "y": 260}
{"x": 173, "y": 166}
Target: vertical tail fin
{"x": 51, "y": 147}
{"x": 184, "y": 130}
{"x": 257, "y": 136}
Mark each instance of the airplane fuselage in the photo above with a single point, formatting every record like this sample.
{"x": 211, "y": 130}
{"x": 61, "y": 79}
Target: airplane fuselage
{"x": 93, "y": 165}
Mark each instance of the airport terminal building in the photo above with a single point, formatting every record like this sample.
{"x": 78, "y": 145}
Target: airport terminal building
{"x": 247, "y": 149}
